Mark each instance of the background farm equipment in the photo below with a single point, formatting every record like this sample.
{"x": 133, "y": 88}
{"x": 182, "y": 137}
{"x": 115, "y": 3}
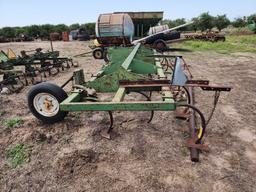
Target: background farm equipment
{"x": 208, "y": 36}
{"x": 118, "y": 30}
{"x": 164, "y": 80}
{"x": 38, "y": 64}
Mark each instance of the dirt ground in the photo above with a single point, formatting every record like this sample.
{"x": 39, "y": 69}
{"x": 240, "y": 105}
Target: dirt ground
{"x": 140, "y": 157}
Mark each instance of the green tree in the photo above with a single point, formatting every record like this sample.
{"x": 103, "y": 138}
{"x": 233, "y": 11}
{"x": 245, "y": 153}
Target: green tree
{"x": 19, "y": 30}
{"x": 194, "y": 26}
{"x": 221, "y": 22}
{"x": 239, "y": 22}
{"x": 46, "y": 30}
{"x": 176, "y": 22}
{"x": 252, "y": 18}
{"x": 74, "y": 26}
{"x": 89, "y": 28}
{"x": 33, "y": 30}
{"x": 205, "y": 21}
{"x": 8, "y": 32}
{"x": 61, "y": 28}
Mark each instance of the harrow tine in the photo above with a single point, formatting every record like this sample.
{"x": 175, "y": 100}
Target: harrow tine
{"x": 151, "y": 117}
{"x": 68, "y": 65}
{"x": 148, "y": 99}
{"x": 111, "y": 121}
{"x": 26, "y": 80}
{"x": 62, "y": 65}
{"x": 72, "y": 64}
{"x": 49, "y": 71}
{"x": 44, "y": 74}
{"x": 106, "y": 133}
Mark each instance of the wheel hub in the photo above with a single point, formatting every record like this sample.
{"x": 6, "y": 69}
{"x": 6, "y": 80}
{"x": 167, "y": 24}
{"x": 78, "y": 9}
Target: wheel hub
{"x": 98, "y": 54}
{"x": 46, "y": 104}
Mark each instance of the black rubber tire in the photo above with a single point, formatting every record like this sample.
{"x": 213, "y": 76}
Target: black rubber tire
{"x": 54, "y": 90}
{"x": 160, "y": 45}
{"x": 98, "y": 53}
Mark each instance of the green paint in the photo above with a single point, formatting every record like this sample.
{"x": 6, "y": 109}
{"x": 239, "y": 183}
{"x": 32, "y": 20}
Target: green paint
{"x": 110, "y": 82}
{"x": 132, "y": 64}
{"x": 119, "y": 106}
{"x": 127, "y": 63}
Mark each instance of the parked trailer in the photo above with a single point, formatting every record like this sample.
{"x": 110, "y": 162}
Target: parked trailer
{"x": 131, "y": 69}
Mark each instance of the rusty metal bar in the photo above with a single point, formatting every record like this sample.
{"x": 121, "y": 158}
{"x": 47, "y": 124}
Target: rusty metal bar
{"x": 203, "y": 84}
{"x": 194, "y": 153}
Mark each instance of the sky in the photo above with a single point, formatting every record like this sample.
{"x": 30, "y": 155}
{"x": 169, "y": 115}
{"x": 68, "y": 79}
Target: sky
{"x": 27, "y": 12}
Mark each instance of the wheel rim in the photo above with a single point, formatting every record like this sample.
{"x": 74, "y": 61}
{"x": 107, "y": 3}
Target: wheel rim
{"x": 46, "y": 104}
{"x": 98, "y": 54}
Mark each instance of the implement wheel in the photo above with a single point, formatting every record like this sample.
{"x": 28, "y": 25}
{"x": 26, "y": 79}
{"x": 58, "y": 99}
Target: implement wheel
{"x": 160, "y": 45}
{"x": 44, "y": 102}
{"x": 98, "y": 53}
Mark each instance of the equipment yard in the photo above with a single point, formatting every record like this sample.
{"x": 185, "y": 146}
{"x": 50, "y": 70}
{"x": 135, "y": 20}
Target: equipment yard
{"x": 73, "y": 156}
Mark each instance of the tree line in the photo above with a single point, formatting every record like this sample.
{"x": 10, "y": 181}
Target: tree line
{"x": 203, "y": 22}
{"x": 43, "y": 31}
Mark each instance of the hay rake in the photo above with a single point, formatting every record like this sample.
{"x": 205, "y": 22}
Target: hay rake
{"x": 130, "y": 69}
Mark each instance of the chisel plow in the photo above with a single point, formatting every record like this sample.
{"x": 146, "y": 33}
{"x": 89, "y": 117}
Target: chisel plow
{"x": 164, "y": 81}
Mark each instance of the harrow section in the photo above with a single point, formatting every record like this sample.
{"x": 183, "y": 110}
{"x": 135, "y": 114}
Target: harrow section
{"x": 37, "y": 66}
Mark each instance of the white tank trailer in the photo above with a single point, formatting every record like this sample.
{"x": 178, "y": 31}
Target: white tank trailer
{"x": 114, "y": 29}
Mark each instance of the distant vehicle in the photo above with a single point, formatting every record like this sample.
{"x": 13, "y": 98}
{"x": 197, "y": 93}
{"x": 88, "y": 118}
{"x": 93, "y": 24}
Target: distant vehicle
{"x": 79, "y": 34}
{"x": 158, "y": 40}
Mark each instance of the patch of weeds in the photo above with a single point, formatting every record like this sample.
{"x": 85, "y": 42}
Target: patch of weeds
{"x": 238, "y": 43}
{"x": 13, "y": 123}
{"x": 18, "y": 155}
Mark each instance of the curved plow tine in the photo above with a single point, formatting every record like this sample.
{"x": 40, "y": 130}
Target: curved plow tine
{"x": 68, "y": 65}
{"x": 106, "y": 132}
{"x": 25, "y": 79}
{"x": 111, "y": 121}
{"x": 151, "y": 116}
{"x": 19, "y": 79}
{"x": 72, "y": 64}
{"x": 49, "y": 72}
{"x": 148, "y": 99}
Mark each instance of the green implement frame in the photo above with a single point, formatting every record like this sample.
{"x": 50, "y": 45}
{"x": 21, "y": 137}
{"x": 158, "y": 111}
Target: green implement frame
{"x": 134, "y": 63}
{"x": 132, "y": 69}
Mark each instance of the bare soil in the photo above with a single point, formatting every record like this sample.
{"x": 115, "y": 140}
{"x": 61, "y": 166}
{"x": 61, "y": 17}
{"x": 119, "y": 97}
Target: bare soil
{"x": 72, "y": 156}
